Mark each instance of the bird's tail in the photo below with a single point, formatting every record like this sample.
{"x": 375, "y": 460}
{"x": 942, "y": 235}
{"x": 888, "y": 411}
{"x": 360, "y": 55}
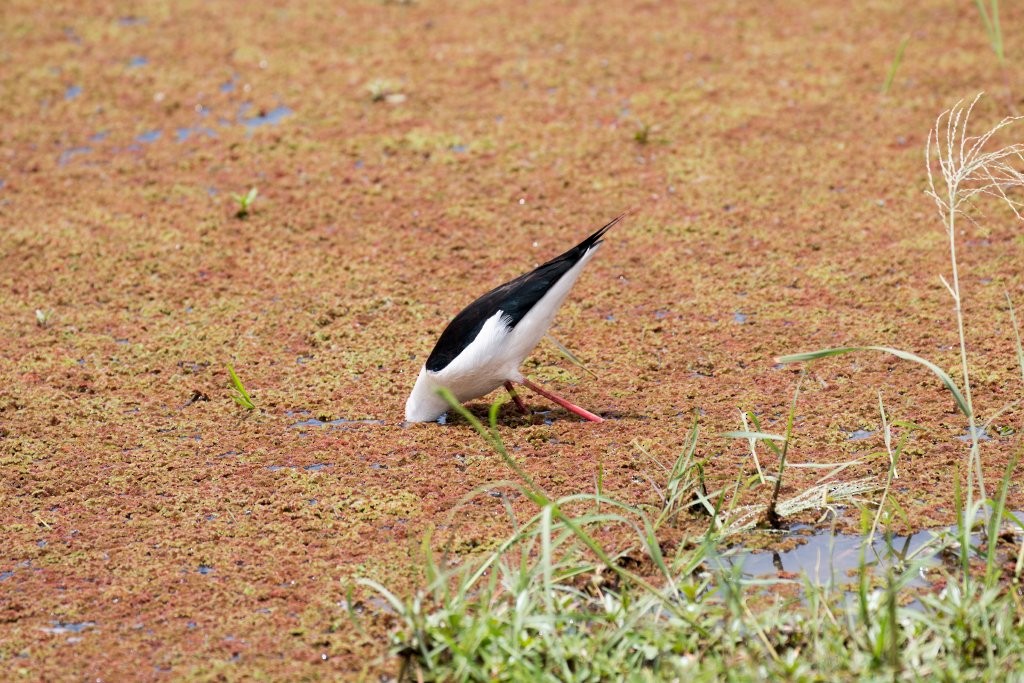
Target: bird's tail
{"x": 595, "y": 239}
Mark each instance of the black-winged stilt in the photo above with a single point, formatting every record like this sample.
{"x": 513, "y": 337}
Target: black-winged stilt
{"x": 484, "y": 345}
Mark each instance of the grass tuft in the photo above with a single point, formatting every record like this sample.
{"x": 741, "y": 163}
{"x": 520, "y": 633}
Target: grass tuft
{"x": 551, "y": 603}
{"x": 239, "y": 394}
{"x": 245, "y": 202}
{"x": 642, "y": 135}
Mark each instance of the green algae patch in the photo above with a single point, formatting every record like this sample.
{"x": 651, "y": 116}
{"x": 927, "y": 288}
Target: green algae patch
{"x": 378, "y": 504}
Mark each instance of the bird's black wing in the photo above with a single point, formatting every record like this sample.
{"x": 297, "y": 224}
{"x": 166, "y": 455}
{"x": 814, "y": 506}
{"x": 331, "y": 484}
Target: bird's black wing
{"x": 515, "y": 298}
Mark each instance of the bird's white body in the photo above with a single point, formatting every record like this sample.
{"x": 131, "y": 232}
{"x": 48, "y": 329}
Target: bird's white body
{"x": 494, "y": 356}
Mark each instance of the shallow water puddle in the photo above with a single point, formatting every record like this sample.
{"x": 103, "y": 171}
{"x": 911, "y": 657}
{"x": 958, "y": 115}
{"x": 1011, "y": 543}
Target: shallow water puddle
{"x": 60, "y": 627}
{"x": 315, "y": 467}
{"x": 827, "y": 559}
{"x": 314, "y": 422}
{"x": 181, "y": 134}
{"x": 978, "y": 432}
{"x": 72, "y": 152}
{"x": 273, "y": 116}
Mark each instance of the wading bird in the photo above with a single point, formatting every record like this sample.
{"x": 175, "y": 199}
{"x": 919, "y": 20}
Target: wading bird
{"x": 484, "y": 345}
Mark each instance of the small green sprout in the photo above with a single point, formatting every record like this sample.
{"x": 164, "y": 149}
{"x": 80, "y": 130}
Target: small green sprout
{"x": 245, "y": 202}
{"x": 643, "y": 134}
{"x": 385, "y": 90}
{"x": 240, "y": 395}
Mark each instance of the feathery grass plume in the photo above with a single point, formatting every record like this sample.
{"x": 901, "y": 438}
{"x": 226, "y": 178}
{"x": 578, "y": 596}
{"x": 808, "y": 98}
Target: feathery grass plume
{"x": 968, "y": 170}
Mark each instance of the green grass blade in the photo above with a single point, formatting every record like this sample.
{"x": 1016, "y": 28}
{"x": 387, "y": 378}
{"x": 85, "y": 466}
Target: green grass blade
{"x": 492, "y": 437}
{"x": 546, "y": 557}
{"x": 241, "y": 396}
{"x": 997, "y": 32}
{"x": 572, "y": 357}
{"x": 1016, "y": 334}
{"x": 961, "y": 402}
{"x": 994, "y": 29}
{"x": 757, "y": 428}
{"x": 983, "y": 11}
{"x": 894, "y": 67}
{"x": 393, "y": 600}
{"x": 996, "y": 519}
{"x": 772, "y": 514}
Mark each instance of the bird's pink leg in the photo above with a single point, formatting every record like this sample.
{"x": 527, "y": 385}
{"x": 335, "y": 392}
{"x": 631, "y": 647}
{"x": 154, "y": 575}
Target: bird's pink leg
{"x": 585, "y": 414}
{"x": 517, "y": 398}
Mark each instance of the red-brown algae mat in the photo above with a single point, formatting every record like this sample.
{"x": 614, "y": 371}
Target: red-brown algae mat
{"x": 408, "y": 157}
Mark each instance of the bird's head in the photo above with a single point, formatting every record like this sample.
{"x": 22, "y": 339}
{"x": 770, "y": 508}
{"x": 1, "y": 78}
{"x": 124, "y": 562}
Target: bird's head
{"x": 424, "y": 403}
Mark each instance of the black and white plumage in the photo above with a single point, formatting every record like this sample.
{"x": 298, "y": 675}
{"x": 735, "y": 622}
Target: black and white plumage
{"x": 484, "y": 345}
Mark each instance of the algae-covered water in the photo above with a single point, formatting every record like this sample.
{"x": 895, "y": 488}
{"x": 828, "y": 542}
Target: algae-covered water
{"x": 408, "y": 157}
